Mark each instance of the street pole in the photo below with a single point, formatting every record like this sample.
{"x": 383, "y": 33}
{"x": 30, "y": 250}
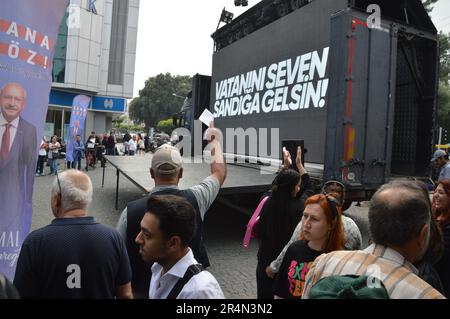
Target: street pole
{"x": 440, "y": 137}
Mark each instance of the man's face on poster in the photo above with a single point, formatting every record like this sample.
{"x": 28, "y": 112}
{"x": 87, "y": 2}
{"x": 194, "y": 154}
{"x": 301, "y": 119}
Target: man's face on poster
{"x": 12, "y": 100}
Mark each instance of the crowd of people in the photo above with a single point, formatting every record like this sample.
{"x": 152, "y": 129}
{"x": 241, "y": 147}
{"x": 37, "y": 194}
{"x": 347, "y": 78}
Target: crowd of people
{"x": 308, "y": 247}
{"x": 91, "y": 151}
{"x": 135, "y": 144}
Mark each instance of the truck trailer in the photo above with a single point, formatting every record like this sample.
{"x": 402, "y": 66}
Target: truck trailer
{"x": 361, "y": 95}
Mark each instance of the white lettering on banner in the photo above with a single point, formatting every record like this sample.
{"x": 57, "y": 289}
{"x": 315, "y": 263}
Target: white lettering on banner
{"x": 11, "y": 257}
{"x": 14, "y": 50}
{"x": 288, "y": 85}
{"x": 30, "y": 35}
{"x": 9, "y": 239}
{"x": 21, "y": 33}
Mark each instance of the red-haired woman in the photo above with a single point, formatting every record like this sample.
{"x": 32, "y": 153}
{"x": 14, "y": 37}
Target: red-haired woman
{"x": 441, "y": 209}
{"x": 322, "y": 233}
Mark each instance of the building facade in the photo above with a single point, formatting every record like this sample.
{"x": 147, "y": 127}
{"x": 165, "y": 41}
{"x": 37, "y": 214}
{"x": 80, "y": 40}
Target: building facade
{"x": 95, "y": 56}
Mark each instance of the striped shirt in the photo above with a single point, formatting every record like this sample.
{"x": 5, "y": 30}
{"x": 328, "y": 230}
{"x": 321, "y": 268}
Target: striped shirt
{"x": 377, "y": 262}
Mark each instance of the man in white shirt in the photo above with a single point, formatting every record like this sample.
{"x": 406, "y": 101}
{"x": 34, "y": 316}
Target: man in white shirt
{"x": 132, "y": 146}
{"x": 42, "y": 156}
{"x": 166, "y": 229}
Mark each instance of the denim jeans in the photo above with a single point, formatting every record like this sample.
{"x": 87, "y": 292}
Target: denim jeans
{"x": 40, "y": 165}
{"x": 78, "y": 161}
{"x": 54, "y": 166}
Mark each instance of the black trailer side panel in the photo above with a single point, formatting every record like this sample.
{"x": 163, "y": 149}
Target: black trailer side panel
{"x": 301, "y": 32}
{"x": 360, "y": 113}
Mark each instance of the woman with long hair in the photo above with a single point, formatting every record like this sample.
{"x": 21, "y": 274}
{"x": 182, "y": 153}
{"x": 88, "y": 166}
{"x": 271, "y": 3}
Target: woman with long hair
{"x": 53, "y": 154}
{"x": 322, "y": 232}
{"x": 441, "y": 210}
{"x": 352, "y": 234}
{"x": 278, "y": 219}
{"x": 139, "y": 144}
{"x": 279, "y": 216}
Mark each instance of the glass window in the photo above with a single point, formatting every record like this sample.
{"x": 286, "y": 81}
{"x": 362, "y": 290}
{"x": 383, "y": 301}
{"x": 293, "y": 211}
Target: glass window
{"x": 67, "y": 115}
{"x": 118, "y": 42}
{"x": 54, "y": 117}
{"x": 59, "y": 62}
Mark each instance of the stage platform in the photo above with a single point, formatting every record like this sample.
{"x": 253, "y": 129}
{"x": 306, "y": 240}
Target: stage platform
{"x": 241, "y": 178}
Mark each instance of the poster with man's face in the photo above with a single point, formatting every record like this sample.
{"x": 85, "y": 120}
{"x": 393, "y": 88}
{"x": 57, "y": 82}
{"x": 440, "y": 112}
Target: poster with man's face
{"x": 28, "y": 34}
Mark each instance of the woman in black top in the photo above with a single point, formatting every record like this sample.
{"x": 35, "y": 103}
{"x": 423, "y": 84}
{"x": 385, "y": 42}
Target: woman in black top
{"x": 279, "y": 217}
{"x": 322, "y": 233}
{"x": 441, "y": 210}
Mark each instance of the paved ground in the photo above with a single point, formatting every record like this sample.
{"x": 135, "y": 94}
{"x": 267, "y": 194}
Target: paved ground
{"x": 233, "y": 266}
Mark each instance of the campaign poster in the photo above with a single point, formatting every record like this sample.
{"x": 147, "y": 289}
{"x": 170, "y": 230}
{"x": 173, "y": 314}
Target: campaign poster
{"x": 79, "y": 111}
{"x": 28, "y": 34}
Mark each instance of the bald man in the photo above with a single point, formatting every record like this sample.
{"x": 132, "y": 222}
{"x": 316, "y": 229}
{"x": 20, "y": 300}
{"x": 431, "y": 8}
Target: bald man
{"x": 18, "y": 159}
{"x": 74, "y": 257}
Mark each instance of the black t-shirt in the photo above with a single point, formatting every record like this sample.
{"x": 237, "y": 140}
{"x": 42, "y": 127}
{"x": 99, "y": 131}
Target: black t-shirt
{"x": 72, "y": 258}
{"x": 296, "y": 264}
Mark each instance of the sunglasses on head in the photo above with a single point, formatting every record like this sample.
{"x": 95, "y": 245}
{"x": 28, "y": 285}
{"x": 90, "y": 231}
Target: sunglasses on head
{"x": 333, "y": 203}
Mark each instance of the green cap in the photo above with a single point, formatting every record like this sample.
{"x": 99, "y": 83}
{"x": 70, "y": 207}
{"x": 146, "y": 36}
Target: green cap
{"x": 347, "y": 287}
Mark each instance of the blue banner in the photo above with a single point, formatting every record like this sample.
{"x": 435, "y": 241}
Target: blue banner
{"x": 28, "y": 34}
{"x": 103, "y": 103}
{"x": 76, "y": 127}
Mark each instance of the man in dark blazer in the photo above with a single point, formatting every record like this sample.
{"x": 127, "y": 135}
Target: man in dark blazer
{"x": 18, "y": 156}
{"x": 76, "y": 130}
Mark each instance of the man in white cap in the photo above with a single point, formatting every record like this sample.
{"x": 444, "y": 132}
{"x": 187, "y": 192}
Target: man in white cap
{"x": 167, "y": 170}
{"x": 440, "y": 159}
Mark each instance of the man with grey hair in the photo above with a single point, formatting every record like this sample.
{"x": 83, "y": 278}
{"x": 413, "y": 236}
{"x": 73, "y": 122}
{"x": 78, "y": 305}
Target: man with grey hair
{"x": 167, "y": 170}
{"x": 74, "y": 256}
{"x": 399, "y": 222}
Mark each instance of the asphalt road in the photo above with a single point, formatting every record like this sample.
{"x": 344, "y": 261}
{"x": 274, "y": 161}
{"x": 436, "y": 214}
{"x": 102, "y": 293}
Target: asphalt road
{"x": 232, "y": 265}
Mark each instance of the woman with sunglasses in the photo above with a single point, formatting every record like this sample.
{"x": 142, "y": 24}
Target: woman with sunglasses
{"x": 352, "y": 234}
{"x": 322, "y": 233}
